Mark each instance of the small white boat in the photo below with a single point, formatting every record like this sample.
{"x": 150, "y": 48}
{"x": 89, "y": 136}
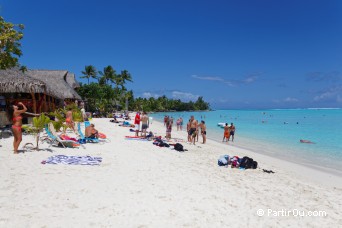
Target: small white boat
{"x": 221, "y": 124}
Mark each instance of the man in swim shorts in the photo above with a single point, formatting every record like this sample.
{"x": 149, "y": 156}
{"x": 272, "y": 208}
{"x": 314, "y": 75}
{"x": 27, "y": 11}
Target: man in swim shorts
{"x": 232, "y": 131}
{"x": 144, "y": 125}
{"x": 193, "y": 129}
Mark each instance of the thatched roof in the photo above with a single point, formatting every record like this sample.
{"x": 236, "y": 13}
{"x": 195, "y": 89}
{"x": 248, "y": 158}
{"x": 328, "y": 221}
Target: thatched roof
{"x": 14, "y": 81}
{"x": 70, "y": 79}
{"x": 56, "y": 83}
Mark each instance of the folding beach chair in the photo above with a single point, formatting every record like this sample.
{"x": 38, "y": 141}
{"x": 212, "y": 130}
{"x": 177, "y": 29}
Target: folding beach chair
{"x": 55, "y": 139}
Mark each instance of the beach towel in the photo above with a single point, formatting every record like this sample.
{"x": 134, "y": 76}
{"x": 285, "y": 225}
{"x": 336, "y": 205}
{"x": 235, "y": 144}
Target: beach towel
{"x": 72, "y": 160}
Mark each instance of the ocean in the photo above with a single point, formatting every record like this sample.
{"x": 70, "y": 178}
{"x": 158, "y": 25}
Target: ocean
{"x": 277, "y": 132}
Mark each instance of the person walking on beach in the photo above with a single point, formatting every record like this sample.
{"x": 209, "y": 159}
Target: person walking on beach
{"x": 232, "y": 131}
{"x": 144, "y": 125}
{"x": 15, "y": 114}
{"x": 226, "y": 133}
{"x": 137, "y": 123}
{"x": 204, "y": 131}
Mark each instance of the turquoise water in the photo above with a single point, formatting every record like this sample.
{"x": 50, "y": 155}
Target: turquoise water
{"x": 277, "y": 132}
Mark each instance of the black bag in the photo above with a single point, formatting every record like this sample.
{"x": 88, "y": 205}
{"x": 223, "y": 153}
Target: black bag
{"x": 178, "y": 147}
{"x": 255, "y": 165}
{"x": 246, "y": 162}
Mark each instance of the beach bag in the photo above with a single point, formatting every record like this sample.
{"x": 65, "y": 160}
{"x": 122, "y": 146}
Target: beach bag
{"x": 246, "y": 162}
{"x": 178, "y": 147}
{"x": 255, "y": 165}
{"x": 223, "y": 160}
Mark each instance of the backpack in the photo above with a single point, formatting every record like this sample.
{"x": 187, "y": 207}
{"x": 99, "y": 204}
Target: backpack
{"x": 178, "y": 147}
{"x": 246, "y": 162}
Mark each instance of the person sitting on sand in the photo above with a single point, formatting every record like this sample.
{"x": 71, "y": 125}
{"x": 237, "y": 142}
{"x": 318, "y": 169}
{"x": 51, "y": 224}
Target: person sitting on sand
{"x": 306, "y": 141}
{"x": 91, "y": 132}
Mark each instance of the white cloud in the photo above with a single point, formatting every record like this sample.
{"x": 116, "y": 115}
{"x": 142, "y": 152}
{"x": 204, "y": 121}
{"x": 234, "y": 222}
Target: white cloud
{"x": 149, "y": 94}
{"x": 250, "y": 79}
{"x": 208, "y": 78}
{"x": 184, "y": 96}
{"x": 333, "y": 93}
{"x": 290, "y": 99}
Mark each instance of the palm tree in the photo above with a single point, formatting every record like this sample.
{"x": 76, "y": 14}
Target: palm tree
{"x": 120, "y": 79}
{"x": 89, "y": 72}
{"x": 108, "y": 74}
{"x": 23, "y": 69}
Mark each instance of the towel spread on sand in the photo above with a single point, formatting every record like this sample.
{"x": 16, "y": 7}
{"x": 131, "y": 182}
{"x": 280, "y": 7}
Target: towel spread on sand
{"x": 73, "y": 160}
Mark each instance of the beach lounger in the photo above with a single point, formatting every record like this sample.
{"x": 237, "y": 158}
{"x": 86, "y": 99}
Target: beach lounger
{"x": 55, "y": 139}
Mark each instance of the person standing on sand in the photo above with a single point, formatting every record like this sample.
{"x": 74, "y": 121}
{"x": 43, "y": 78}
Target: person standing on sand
{"x": 226, "y": 133}
{"x": 68, "y": 119}
{"x": 137, "y": 123}
{"x": 197, "y": 131}
{"x": 188, "y": 130}
{"x": 232, "y": 131}
{"x": 144, "y": 125}
{"x": 193, "y": 129}
{"x": 166, "y": 119}
{"x": 14, "y": 114}
{"x": 178, "y": 124}
{"x": 204, "y": 131}
{"x": 169, "y": 128}
{"x": 181, "y": 123}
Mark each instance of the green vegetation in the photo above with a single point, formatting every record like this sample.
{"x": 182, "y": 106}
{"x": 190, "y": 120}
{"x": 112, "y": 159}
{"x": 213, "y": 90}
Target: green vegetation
{"x": 109, "y": 93}
{"x": 10, "y": 35}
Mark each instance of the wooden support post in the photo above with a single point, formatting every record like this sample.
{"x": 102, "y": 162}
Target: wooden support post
{"x": 34, "y": 103}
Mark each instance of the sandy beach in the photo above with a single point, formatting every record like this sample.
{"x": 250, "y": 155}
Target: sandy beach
{"x": 141, "y": 185}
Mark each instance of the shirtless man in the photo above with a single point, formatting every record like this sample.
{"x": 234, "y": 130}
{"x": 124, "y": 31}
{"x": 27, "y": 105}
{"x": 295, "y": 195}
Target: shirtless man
{"x": 232, "y": 131}
{"x": 188, "y": 130}
{"x": 91, "y": 132}
{"x": 193, "y": 129}
{"x": 204, "y": 131}
{"x": 145, "y": 121}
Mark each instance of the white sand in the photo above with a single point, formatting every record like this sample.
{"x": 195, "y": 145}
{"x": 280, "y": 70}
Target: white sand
{"x": 141, "y": 185}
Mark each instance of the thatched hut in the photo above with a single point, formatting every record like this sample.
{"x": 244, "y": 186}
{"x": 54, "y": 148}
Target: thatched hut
{"x": 15, "y": 85}
{"x": 39, "y": 90}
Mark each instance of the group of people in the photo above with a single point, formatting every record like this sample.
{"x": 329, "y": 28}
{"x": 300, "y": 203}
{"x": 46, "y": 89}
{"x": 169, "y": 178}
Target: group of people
{"x": 193, "y": 128}
{"x": 145, "y": 122}
{"x": 16, "y": 110}
{"x": 229, "y": 131}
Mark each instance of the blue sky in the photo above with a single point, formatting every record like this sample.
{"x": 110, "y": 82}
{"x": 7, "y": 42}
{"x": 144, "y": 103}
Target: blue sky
{"x": 236, "y": 54}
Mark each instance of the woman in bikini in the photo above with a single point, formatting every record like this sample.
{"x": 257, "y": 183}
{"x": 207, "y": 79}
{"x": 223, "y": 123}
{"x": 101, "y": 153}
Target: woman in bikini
{"x": 16, "y": 117}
